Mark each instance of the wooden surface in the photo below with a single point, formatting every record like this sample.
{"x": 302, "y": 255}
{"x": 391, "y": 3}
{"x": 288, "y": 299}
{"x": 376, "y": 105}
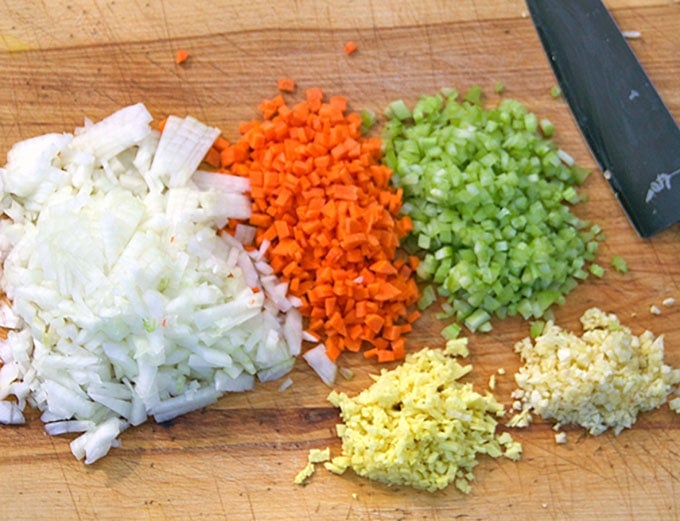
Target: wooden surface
{"x": 62, "y": 60}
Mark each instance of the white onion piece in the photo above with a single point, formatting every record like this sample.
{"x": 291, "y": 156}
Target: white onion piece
{"x": 68, "y": 426}
{"x": 184, "y": 403}
{"x": 322, "y": 365}
{"x": 115, "y": 133}
{"x": 285, "y": 384}
{"x": 245, "y": 234}
{"x": 10, "y": 413}
{"x": 183, "y": 145}
{"x": 242, "y": 382}
{"x": 224, "y": 182}
{"x": 95, "y": 444}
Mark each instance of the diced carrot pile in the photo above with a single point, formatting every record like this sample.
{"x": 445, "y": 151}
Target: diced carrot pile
{"x": 323, "y": 201}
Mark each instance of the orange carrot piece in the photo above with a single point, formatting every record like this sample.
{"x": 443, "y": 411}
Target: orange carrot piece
{"x": 384, "y": 267}
{"x": 213, "y": 157}
{"x": 387, "y": 291}
{"x": 181, "y": 56}
{"x": 220, "y": 143}
{"x": 350, "y": 47}
{"x": 374, "y": 322}
{"x": 398, "y": 347}
{"x": 285, "y": 84}
{"x": 282, "y": 229}
{"x": 385, "y": 355}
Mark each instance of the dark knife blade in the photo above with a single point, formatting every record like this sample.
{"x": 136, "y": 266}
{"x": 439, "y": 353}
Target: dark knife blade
{"x": 629, "y": 130}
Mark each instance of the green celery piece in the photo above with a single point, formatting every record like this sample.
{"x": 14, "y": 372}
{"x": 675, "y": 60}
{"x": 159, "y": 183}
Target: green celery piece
{"x": 476, "y": 319}
{"x": 368, "y": 119}
{"x": 474, "y": 95}
{"x": 596, "y": 270}
{"x": 451, "y": 331}
{"x": 619, "y": 264}
{"x": 427, "y": 297}
{"x": 399, "y": 110}
{"x": 536, "y": 328}
{"x": 547, "y": 128}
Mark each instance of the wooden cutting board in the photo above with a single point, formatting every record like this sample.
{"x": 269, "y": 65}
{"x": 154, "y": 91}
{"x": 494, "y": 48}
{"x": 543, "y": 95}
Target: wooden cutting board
{"x": 66, "y": 59}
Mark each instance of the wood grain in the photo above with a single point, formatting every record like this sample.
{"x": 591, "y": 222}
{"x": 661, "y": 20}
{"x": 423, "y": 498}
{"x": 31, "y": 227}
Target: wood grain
{"x": 63, "y": 60}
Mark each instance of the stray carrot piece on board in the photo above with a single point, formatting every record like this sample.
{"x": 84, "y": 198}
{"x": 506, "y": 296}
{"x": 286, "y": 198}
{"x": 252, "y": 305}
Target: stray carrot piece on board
{"x": 285, "y": 84}
{"x": 181, "y": 55}
{"x": 350, "y": 47}
{"x": 322, "y": 199}
{"x": 213, "y": 157}
{"x": 220, "y": 144}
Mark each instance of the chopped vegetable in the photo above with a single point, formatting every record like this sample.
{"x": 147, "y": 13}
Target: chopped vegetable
{"x": 368, "y": 119}
{"x": 285, "y": 384}
{"x": 323, "y": 202}
{"x": 418, "y": 425}
{"x": 668, "y": 302}
{"x": 499, "y": 87}
{"x": 654, "y": 309}
{"x": 547, "y": 128}
{"x": 596, "y": 270}
{"x": 350, "y": 47}
{"x": 600, "y": 380}
{"x": 451, "y": 331}
{"x": 346, "y": 373}
{"x": 285, "y": 84}
{"x": 125, "y": 301}
{"x": 619, "y": 264}
{"x": 561, "y": 438}
{"x": 324, "y": 367}
{"x": 314, "y": 456}
{"x": 537, "y": 327}
{"x": 674, "y": 404}
{"x": 489, "y": 198}
{"x": 181, "y": 56}
{"x": 555, "y": 91}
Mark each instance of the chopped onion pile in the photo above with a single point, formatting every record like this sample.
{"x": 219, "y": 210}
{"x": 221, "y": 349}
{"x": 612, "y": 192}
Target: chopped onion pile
{"x": 126, "y": 303}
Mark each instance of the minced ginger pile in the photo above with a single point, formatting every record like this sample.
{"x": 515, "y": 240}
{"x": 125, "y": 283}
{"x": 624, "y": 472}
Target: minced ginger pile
{"x": 418, "y": 425}
{"x": 600, "y": 380}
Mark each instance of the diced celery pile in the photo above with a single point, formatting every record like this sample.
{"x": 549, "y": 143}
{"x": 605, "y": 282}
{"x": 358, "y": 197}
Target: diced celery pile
{"x": 490, "y": 197}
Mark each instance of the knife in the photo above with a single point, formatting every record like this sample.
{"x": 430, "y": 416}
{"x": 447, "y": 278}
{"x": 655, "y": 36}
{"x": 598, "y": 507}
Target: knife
{"x": 629, "y": 130}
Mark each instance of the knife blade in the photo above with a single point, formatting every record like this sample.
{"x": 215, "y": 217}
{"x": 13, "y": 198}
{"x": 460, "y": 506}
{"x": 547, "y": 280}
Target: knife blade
{"x": 627, "y": 126}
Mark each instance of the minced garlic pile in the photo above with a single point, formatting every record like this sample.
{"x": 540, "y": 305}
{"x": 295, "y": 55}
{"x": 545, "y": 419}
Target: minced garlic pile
{"x": 601, "y": 380}
{"x": 418, "y": 425}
